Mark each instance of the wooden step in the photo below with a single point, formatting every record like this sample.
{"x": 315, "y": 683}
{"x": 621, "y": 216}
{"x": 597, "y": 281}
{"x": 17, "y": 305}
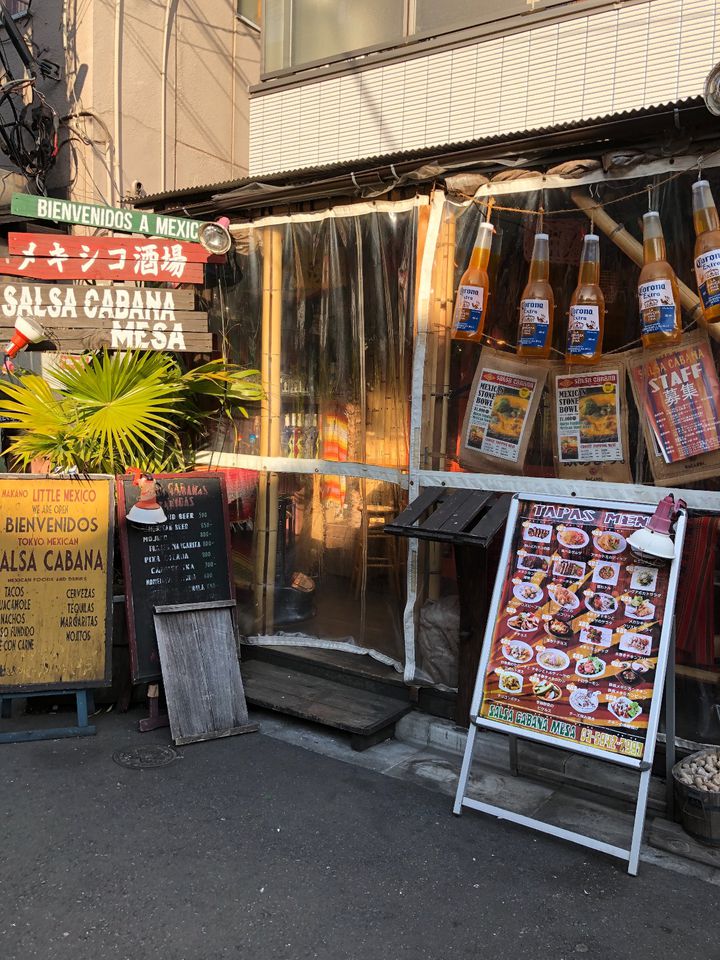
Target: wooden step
{"x": 351, "y": 669}
{"x": 368, "y": 717}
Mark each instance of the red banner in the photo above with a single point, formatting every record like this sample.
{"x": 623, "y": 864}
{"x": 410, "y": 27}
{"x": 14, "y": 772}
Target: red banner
{"x": 45, "y": 256}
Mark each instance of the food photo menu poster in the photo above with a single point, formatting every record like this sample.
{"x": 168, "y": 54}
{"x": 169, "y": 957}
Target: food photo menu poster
{"x": 575, "y": 646}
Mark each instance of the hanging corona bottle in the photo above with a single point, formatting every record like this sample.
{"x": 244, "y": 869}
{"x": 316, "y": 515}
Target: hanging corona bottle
{"x": 472, "y": 295}
{"x": 658, "y": 291}
{"x": 586, "y": 322}
{"x": 707, "y": 250}
{"x": 537, "y": 304}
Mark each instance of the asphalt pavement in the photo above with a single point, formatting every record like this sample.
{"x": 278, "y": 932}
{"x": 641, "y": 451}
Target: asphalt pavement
{"x": 253, "y": 848}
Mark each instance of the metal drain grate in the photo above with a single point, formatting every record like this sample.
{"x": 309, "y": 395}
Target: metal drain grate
{"x": 145, "y": 758}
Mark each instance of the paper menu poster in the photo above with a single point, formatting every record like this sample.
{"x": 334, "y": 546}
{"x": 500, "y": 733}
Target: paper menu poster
{"x": 575, "y": 648}
{"x": 587, "y": 417}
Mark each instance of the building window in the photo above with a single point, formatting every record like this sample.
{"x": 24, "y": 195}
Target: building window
{"x": 250, "y": 11}
{"x": 455, "y": 14}
{"x": 298, "y": 33}
{"x": 305, "y": 31}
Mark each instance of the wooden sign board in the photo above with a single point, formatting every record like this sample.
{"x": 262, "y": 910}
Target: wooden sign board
{"x": 56, "y": 559}
{"x": 186, "y": 559}
{"x": 108, "y": 248}
{"x": 201, "y": 671}
{"x": 577, "y": 641}
{"x": 107, "y": 218}
{"x": 84, "y": 317}
{"x": 126, "y": 336}
{"x": 46, "y": 257}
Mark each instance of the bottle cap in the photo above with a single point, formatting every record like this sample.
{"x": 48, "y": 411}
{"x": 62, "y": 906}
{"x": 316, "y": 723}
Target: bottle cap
{"x": 652, "y": 228}
{"x": 592, "y": 236}
{"x": 542, "y": 236}
{"x": 700, "y": 184}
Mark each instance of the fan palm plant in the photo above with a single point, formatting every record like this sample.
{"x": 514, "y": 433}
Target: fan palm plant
{"x": 114, "y": 411}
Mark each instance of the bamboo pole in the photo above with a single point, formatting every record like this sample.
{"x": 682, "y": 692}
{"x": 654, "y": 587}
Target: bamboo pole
{"x": 274, "y": 418}
{"x": 632, "y": 248}
{"x": 441, "y": 317}
{"x": 261, "y": 517}
{"x": 447, "y": 324}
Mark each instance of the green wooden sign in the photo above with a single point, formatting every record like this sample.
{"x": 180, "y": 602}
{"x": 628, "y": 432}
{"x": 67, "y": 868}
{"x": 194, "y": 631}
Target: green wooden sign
{"x": 109, "y": 218}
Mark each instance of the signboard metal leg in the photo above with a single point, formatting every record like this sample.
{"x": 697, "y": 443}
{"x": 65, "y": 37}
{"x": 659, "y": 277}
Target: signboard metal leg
{"x": 465, "y": 769}
{"x": 639, "y": 822}
{"x": 670, "y": 729}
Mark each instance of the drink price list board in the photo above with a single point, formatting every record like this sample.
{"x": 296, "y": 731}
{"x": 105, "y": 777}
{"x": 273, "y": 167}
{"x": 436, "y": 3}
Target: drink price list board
{"x": 56, "y": 560}
{"x": 577, "y": 638}
{"x": 184, "y": 560}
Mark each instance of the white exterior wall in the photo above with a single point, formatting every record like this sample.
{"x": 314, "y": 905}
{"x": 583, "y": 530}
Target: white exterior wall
{"x": 634, "y": 56}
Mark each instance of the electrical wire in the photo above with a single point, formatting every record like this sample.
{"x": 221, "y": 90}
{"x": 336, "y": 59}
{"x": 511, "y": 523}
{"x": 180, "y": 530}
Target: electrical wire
{"x": 29, "y": 134}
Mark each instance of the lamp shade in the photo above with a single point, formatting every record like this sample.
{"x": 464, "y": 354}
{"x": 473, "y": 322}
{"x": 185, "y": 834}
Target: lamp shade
{"x": 146, "y": 511}
{"x": 215, "y": 237}
{"x": 655, "y": 540}
{"x": 27, "y": 330}
{"x": 711, "y": 91}
{"x": 648, "y": 543}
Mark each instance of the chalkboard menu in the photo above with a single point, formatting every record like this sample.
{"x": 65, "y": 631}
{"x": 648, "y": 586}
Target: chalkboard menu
{"x": 56, "y": 560}
{"x": 184, "y": 560}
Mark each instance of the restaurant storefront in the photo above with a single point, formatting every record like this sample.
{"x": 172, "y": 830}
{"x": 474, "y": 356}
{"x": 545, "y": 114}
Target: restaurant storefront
{"x": 347, "y": 311}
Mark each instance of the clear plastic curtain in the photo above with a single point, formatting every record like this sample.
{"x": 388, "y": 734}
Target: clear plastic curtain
{"x": 346, "y": 328}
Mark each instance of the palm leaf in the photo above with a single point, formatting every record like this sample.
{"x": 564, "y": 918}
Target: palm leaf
{"x": 125, "y": 402}
{"x": 118, "y": 410}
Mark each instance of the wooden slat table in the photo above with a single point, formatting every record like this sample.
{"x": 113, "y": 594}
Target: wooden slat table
{"x": 470, "y": 520}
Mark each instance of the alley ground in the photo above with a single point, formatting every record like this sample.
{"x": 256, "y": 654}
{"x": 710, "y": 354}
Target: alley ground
{"x": 255, "y": 848}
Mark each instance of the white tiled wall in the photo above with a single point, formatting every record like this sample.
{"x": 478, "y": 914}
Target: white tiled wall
{"x": 637, "y": 55}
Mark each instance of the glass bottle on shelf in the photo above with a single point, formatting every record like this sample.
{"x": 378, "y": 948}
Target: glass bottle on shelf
{"x": 292, "y": 437}
{"x": 537, "y": 304}
{"x": 311, "y": 435}
{"x": 285, "y": 436}
{"x": 707, "y": 250}
{"x": 472, "y": 293}
{"x": 658, "y": 291}
{"x": 586, "y": 321}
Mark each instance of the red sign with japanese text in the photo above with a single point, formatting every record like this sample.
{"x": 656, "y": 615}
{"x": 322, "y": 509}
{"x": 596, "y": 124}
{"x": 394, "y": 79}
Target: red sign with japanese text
{"x": 576, "y": 643}
{"x": 45, "y": 256}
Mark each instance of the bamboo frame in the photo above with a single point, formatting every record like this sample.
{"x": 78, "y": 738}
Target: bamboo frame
{"x": 274, "y": 418}
{"x": 266, "y": 526}
{"x": 439, "y": 365}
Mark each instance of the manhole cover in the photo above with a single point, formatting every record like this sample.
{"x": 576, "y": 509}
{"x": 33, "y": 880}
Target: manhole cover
{"x": 144, "y": 758}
